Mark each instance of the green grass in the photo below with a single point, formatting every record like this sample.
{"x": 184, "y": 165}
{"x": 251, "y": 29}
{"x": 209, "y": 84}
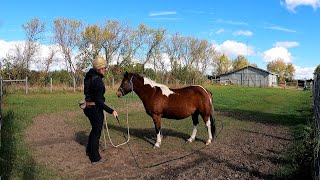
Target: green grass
{"x": 290, "y": 108}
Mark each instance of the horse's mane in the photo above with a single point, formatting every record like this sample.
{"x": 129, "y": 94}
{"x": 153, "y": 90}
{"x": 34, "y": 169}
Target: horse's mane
{"x": 165, "y": 89}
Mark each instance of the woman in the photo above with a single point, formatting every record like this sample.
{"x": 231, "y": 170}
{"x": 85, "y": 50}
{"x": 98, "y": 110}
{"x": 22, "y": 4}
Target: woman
{"x": 94, "y": 90}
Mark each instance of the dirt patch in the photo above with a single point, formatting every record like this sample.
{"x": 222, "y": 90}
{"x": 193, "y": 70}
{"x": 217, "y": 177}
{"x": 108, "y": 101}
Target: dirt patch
{"x": 252, "y": 152}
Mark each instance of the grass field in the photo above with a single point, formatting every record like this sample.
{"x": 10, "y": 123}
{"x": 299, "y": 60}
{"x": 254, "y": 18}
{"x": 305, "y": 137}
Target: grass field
{"x": 290, "y": 108}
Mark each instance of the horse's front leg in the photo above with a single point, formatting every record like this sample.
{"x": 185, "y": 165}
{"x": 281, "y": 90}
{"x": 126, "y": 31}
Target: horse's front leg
{"x": 157, "y": 124}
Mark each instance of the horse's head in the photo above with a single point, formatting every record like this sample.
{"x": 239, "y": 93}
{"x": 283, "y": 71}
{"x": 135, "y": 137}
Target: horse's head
{"x": 126, "y": 85}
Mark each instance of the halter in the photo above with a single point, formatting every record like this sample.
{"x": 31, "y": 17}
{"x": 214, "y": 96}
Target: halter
{"x": 131, "y": 87}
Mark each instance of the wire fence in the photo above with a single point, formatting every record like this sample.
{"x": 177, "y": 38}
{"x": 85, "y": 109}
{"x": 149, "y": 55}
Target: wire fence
{"x": 316, "y": 105}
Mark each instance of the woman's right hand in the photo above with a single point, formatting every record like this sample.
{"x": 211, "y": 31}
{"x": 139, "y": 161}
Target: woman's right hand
{"x": 115, "y": 114}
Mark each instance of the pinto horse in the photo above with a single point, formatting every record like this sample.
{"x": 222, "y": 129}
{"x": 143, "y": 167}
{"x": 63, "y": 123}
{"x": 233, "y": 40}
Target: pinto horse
{"x": 162, "y": 102}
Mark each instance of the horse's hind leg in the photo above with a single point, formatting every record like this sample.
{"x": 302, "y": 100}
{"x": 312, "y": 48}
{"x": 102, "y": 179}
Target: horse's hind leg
{"x": 207, "y": 121}
{"x": 195, "y": 126}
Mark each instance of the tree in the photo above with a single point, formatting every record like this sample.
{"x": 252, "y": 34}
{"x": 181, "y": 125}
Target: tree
{"x": 240, "y": 62}
{"x": 173, "y": 49}
{"x": 317, "y": 70}
{"x": 47, "y": 62}
{"x": 131, "y": 45}
{"x": 290, "y": 70}
{"x": 91, "y": 43}
{"x": 222, "y": 64}
{"x": 33, "y": 30}
{"x": 153, "y": 43}
{"x": 24, "y": 53}
{"x": 279, "y": 67}
{"x": 113, "y": 35}
{"x": 201, "y": 53}
{"x": 67, "y": 36}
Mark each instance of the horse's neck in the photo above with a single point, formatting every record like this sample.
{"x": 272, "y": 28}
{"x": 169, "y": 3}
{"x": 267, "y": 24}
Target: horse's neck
{"x": 143, "y": 91}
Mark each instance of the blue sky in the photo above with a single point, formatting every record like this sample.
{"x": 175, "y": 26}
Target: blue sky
{"x": 261, "y": 30}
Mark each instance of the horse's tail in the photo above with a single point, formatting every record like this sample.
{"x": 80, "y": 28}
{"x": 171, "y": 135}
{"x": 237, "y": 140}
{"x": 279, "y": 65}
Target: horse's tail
{"x": 212, "y": 120}
{"x": 213, "y": 125}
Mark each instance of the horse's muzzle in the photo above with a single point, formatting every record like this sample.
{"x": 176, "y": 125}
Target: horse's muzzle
{"x": 119, "y": 93}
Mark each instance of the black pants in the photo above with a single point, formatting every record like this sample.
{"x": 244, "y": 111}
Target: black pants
{"x": 96, "y": 116}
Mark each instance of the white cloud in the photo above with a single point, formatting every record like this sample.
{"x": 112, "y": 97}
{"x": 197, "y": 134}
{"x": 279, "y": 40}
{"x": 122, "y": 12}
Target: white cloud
{"x": 277, "y": 52}
{"x": 286, "y": 44}
{"x": 8, "y": 48}
{"x": 219, "y": 31}
{"x": 162, "y": 18}
{"x": 232, "y": 49}
{"x": 162, "y": 13}
{"x": 241, "y": 32}
{"x": 279, "y": 28}
{"x": 292, "y": 4}
{"x": 303, "y": 73}
{"x": 230, "y": 22}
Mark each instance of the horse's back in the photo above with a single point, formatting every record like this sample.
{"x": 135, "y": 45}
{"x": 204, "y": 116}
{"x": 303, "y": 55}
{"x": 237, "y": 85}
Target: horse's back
{"x": 193, "y": 91}
{"x": 196, "y": 97}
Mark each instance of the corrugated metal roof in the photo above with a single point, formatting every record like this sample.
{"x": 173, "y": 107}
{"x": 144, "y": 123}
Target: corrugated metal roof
{"x": 245, "y": 68}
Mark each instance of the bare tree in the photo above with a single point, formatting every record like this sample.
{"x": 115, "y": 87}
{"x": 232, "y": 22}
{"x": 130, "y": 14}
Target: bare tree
{"x": 23, "y": 54}
{"x": 113, "y": 36}
{"x": 153, "y": 41}
{"x": 132, "y": 45}
{"x": 173, "y": 48}
{"x": 67, "y": 36}
{"x": 156, "y": 49}
{"x": 45, "y": 63}
{"x": 33, "y": 30}
{"x": 186, "y": 51}
{"x": 91, "y": 43}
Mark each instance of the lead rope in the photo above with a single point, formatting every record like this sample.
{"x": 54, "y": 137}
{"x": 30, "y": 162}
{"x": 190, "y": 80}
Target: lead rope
{"x": 128, "y": 131}
{"x": 106, "y": 123}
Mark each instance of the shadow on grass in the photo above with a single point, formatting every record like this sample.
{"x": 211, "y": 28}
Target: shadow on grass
{"x": 146, "y": 134}
{"x": 10, "y": 163}
{"x": 299, "y": 153}
{"x": 289, "y": 119}
{"x": 8, "y": 145}
{"x": 209, "y": 163}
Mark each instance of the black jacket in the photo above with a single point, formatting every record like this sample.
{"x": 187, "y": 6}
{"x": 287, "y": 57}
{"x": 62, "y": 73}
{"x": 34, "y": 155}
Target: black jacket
{"x": 94, "y": 90}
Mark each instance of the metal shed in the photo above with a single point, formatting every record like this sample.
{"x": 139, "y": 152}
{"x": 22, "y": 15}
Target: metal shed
{"x": 249, "y": 76}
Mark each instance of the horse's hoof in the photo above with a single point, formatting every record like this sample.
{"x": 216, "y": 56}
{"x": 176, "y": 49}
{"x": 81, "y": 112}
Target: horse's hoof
{"x": 157, "y": 145}
{"x": 190, "y": 140}
{"x": 209, "y": 141}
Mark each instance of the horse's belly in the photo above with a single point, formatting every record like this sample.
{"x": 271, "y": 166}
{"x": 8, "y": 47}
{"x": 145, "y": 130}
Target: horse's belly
{"x": 174, "y": 114}
{"x": 174, "y": 117}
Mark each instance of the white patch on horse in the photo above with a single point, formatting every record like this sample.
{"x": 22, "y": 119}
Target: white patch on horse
{"x": 206, "y": 92}
{"x": 164, "y": 89}
{"x": 194, "y": 133}
{"x": 208, "y": 124}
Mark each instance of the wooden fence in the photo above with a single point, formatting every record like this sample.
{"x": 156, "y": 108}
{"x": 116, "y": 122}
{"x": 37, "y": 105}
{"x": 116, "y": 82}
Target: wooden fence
{"x": 316, "y": 106}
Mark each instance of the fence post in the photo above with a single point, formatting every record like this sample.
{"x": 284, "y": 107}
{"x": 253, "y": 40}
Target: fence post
{"x": 74, "y": 84}
{"x": 51, "y": 85}
{"x": 0, "y": 111}
{"x": 316, "y": 108}
{"x": 1, "y": 92}
{"x": 112, "y": 83}
{"x": 26, "y": 85}
{"x": 285, "y": 84}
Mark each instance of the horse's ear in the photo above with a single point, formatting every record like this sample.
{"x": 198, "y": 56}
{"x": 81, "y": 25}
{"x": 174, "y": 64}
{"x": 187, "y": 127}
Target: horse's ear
{"x": 126, "y": 74}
